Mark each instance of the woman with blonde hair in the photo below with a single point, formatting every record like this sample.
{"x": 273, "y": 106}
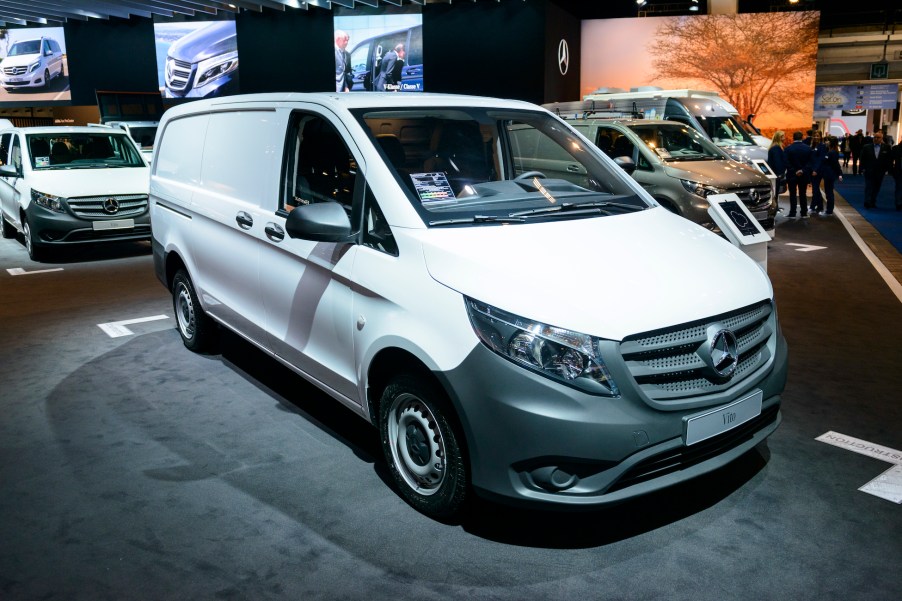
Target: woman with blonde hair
{"x": 777, "y": 160}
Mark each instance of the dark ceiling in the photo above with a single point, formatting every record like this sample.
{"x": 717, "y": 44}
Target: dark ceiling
{"x": 834, "y": 14}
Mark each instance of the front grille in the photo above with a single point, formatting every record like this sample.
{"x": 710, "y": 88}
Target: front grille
{"x": 178, "y": 74}
{"x": 92, "y": 207}
{"x": 14, "y": 70}
{"x": 748, "y": 197}
{"x": 684, "y": 457}
{"x": 668, "y": 365}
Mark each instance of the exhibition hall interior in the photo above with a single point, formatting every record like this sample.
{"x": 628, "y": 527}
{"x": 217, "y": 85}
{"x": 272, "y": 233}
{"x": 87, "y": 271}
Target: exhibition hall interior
{"x": 524, "y": 299}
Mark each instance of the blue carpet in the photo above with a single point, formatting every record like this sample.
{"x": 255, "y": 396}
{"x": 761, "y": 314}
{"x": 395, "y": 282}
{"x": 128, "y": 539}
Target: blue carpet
{"x": 885, "y": 218}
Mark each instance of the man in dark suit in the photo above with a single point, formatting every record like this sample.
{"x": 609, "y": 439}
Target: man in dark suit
{"x": 798, "y": 173}
{"x": 343, "y": 77}
{"x": 855, "y": 144}
{"x": 389, "y": 78}
{"x": 876, "y": 160}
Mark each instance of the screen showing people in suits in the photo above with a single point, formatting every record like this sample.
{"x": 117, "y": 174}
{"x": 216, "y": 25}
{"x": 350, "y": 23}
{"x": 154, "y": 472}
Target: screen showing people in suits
{"x": 196, "y": 59}
{"x": 379, "y": 52}
{"x": 34, "y": 67}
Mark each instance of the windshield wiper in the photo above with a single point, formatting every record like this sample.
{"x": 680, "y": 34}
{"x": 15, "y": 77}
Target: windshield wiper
{"x": 596, "y": 206}
{"x": 480, "y": 219}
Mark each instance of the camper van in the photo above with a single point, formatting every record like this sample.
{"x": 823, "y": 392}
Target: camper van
{"x": 705, "y": 111}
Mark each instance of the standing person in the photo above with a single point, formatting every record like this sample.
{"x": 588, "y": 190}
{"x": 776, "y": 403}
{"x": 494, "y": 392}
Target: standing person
{"x": 876, "y": 160}
{"x": 798, "y": 173}
{"x": 818, "y": 157}
{"x": 390, "y": 73}
{"x": 844, "y": 148}
{"x": 830, "y": 171}
{"x": 343, "y": 76}
{"x": 897, "y": 173}
{"x": 776, "y": 158}
{"x": 855, "y": 145}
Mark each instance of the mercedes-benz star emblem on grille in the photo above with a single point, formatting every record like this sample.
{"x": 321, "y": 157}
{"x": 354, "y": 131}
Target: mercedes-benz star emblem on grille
{"x": 753, "y": 194}
{"x": 563, "y": 57}
{"x": 724, "y": 353}
{"x": 110, "y": 206}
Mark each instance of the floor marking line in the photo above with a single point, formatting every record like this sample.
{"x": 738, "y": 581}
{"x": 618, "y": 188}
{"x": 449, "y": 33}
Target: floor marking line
{"x": 116, "y": 329}
{"x": 805, "y": 248}
{"x": 887, "y": 485}
{"x": 20, "y": 271}
{"x": 884, "y": 273}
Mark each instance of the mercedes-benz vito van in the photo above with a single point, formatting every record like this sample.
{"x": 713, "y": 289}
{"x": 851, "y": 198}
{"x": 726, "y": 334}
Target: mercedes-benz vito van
{"x": 535, "y": 336}
{"x": 31, "y": 64}
{"x": 61, "y": 186}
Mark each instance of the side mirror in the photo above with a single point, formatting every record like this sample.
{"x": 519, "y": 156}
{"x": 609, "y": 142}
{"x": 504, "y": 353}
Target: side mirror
{"x": 626, "y": 163}
{"x": 321, "y": 222}
{"x": 10, "y": 171}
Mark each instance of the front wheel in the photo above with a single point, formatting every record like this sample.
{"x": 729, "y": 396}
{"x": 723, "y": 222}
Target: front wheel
{"x": 197, "y": 330}
{"x": 421, "y": 446}
{"x": 46, "y": 77}
{"x": 36, "y": 251}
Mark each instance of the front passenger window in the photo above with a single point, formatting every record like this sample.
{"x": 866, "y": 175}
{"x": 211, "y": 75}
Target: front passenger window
{"x": 319, "y": 166}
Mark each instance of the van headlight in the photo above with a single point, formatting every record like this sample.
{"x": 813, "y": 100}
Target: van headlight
{"x": 562, "y": 355}
{"x": 48, "y": 201}
{"x": 214, "y": 68}
{"x": 34, "y": 67}
{"x": 699, "y": 189}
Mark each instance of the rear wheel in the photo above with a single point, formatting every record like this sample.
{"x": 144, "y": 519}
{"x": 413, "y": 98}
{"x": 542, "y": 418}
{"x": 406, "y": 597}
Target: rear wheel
{"x": 197, "y": 330}
{"x": 8, "y": 231}
{"x": 422, "y": 447}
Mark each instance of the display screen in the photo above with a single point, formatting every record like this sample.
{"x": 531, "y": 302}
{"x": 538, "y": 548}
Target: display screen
{"x": 34, "y": 68}
{"x": 197, "y": 59}
{"x": 382, "y": 53}
{"x": 746, "y": 226}
{"x": 763, "y": 167}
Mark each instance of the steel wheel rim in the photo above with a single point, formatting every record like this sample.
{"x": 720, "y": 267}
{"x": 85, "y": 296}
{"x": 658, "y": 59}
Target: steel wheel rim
{"x": 184, "y": 311}
{"x": 417, "y": 445}
{"x": 29, "y": 246}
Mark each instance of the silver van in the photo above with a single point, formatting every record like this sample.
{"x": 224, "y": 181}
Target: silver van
{"x": 679, "y": 167}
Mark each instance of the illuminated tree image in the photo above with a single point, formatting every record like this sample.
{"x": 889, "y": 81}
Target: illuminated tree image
{"x": 761, "y": 62}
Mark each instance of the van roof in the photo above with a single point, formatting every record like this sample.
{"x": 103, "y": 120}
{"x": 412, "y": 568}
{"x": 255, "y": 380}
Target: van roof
{"x": 354, "y": 101}
{"x": 68, "y": 129}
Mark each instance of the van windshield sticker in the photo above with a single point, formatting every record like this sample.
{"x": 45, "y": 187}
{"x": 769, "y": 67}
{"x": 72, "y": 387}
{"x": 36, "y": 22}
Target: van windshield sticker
{"x": 663, "y": 153}
{"x": 41, "y": 161}
{"x": 432, "y": 187}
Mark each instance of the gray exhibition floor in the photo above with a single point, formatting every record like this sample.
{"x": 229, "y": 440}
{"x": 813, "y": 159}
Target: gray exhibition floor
{"x": 131, "y": 468}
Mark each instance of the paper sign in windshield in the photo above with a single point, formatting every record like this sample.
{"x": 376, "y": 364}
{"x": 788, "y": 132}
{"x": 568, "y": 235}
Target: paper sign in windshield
{"x": 432, "y": 187}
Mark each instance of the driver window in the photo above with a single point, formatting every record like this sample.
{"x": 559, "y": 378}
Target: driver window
{"x": 319, "y": 166}
{"x": 15, "y": 155}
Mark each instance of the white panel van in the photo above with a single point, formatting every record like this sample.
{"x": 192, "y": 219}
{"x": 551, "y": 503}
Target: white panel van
{"x": 540, "y": 337}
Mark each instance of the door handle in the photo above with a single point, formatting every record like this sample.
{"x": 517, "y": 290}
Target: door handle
{"x": 274, "y": 232}
{"x": 245, "y": 221}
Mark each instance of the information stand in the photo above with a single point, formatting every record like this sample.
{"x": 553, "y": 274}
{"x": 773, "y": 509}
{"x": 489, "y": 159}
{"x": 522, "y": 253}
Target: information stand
{"x": 762, "y": 166}
{"x": 739, "y": 226}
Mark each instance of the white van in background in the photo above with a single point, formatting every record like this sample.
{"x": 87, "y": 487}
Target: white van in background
{"x": 553, "y": 337}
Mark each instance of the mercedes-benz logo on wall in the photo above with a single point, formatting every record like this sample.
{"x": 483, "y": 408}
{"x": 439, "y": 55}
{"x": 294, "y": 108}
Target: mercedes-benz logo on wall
{"x": 563, "y": 57}
{"x": 110, "y": 206}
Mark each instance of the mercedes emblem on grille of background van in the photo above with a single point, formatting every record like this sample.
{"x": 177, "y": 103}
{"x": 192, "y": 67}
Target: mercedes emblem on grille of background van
{"x": 110, "y": 206}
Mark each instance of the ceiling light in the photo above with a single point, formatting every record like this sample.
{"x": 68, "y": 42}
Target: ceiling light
{"x": 641, "y": 3}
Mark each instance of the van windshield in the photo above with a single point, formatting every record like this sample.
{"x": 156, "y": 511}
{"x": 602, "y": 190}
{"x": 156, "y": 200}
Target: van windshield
{"x": 29, "y": 47}
{"x": 726, "y": 131}
{"x": 468, "y": 165}
{"x": 82, "y": 151}
{"x": 673, "y": 142}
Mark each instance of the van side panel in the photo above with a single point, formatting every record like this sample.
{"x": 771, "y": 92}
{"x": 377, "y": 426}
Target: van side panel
{"x": 233, "y": 201}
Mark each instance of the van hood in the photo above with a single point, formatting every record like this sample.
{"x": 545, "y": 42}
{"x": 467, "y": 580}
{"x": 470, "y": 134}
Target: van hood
{"x": 213, "y": 40}
{"x": 608, "y": 277}
{"x": 745, "y": 152}
{"x": 724, "y": 175}
{"x": 73, "y": 183}
{"x": 21, "y": 60}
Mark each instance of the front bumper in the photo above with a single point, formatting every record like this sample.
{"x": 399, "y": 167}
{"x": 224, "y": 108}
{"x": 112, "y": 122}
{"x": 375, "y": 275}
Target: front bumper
{"x": 531, "y": 440}
{"x": 51, "y": 228}
{"x": 31, "y": 80}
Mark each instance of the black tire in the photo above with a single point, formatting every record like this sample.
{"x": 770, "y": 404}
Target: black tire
{"x": 7, "y": 229}
{"x": 197, "y": 330}
{"x": 46, "y": 78}
{"x": 421, "y": 446}
{"x": 36, "y": 251}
